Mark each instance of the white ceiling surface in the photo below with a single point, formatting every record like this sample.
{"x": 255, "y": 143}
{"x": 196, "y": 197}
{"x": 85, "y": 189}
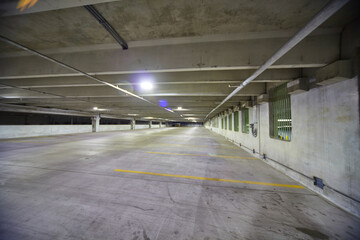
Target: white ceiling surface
{"x": 194, "y": 52}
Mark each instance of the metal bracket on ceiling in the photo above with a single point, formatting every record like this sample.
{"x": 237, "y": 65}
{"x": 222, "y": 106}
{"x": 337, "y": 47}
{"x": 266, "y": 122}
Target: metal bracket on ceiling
{"x": 92, "y": 10}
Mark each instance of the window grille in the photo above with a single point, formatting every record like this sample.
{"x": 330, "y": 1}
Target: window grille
{"x": 280, "y": 113}
{"x": 236, "y": 121}
{"x": 230, "y": 121}
{"x": 245, "y": 120}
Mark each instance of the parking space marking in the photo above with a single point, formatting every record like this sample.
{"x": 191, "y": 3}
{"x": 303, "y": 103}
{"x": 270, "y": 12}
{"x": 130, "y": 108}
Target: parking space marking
{"x": 210, "y": 179}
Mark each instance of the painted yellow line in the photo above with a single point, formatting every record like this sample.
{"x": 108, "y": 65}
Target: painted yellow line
{"x": 194, "y": 145}
{"x": 178, "y": 136}
{"x": 210, "y": 179}
{"x": 199, "y": 155}
{"x": 25, "y": 142}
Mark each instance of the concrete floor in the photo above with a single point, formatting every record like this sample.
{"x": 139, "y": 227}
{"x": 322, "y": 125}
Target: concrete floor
{"x": 65, "y": 187}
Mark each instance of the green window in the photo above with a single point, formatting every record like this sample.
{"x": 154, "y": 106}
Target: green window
{"x": 230, "y": 121}
{"x": 280, "y": 113}
{"x": 245, "y": 120}
{"x": 236, "y": 121}
{"x": 225, "y": 122}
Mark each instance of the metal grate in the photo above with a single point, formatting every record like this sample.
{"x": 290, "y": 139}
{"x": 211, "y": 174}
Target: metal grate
{"x": 230, "y": 121}
{"x": 245, "y": 120}
{"x": 281, "y": 113}
{"x": 236, "y": 121}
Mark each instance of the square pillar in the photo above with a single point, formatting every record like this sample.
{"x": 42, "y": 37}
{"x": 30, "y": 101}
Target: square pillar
{"x": 133, "y": 123}
{"x": 150, "y": 124}
{"x": 95, "y": 121}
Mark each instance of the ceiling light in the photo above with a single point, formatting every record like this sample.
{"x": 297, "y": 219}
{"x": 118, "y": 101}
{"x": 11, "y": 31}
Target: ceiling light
{"x": 146, "y": 85}
{"x": 179, "y": 108}
{"x": 163, "y": 103}
{"x": 95, "y": 108}
{"x": 132, "y": 114}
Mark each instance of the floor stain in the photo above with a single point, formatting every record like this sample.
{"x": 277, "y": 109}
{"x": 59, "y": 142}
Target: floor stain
{"x": 313, "y": 233}
{"x": 145, "y": 235}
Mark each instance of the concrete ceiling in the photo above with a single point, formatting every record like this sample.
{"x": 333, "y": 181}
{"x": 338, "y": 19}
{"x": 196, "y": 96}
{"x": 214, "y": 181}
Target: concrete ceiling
{"x": 192, "y": 51}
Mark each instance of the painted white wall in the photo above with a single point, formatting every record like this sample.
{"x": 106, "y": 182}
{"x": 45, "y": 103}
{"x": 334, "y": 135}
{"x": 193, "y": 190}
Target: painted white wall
{"x": 17, "y": 131}
{"x": 325, "y": 141}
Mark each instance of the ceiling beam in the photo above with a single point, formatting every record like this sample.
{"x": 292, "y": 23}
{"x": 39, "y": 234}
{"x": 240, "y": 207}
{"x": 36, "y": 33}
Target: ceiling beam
{"x": 204, "y": 77}
{"x": 315, "y": 51}
{"x": 179, "y": 41}
{"x": 315, "y": 22}
{"x": 254, "y": 89}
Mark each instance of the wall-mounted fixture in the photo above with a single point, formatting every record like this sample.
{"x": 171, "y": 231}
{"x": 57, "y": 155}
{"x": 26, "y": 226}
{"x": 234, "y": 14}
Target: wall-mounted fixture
{"x": 319, "y": 182}
{"x": 253, "y": 127}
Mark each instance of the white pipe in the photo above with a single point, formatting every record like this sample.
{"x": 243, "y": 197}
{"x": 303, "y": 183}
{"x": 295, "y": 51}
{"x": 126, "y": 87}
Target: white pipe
{"x": 320, "y": 18}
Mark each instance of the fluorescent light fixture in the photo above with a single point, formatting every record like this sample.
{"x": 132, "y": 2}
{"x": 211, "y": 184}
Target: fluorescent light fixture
{"x": 168, "y": 109}
{"x": 146, "y": 85}
{"x": 180, "y": 109}
{"x": 132, "y": 114}
{"x": 99, "y": 109}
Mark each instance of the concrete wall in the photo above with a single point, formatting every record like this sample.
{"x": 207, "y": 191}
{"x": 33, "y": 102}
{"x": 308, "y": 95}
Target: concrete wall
{"x": 115, "y": 127}
{"x": 325, "y": 141}
{"x": 137, "y": 126}
{"x": 17, "y": 131}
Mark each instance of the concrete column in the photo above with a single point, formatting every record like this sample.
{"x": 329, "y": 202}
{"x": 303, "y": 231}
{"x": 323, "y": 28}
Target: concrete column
{"x": 95, "y": 121}
{"x": 160, "y": 125}
{"x": 133, "y": 124}
{"x": 150, "y": 124}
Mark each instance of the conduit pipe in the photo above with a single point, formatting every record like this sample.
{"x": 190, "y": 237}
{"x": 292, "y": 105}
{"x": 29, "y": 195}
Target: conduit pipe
{"x": 95, "y": 13}
{"x": 320, "y": 18}
{"x": 11, "y": 42}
